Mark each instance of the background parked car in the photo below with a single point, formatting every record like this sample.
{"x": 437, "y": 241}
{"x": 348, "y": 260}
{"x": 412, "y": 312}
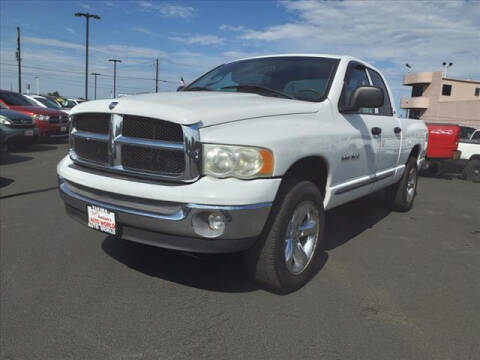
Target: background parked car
{"x": 50, "y": 123}
{"x": 16, "y": 129}
{"x": 42, "y": 101}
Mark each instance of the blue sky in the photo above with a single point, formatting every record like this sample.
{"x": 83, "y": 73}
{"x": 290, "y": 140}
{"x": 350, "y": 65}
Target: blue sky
{"x": 189, "y": 38}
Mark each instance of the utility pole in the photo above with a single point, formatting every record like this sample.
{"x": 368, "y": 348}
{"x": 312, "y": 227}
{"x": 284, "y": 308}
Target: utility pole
{"x": 38, "y": 85}
{"x": 156, "y": 77}
{"x": 95, "y": 91}
{"x": 19, "y": 60}
{"x": 115, "y": 76}
{"x": 87, "y": 16}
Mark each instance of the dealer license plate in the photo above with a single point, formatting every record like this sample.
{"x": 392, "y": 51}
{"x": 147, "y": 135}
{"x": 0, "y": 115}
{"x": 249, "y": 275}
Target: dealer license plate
{"x": 63, "y": 128}
{"x": 28, "y": 132}
{"x": 101, "y": 219}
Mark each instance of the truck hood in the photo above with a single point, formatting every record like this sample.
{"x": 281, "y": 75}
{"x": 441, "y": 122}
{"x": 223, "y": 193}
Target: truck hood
{"x": 188, "y": 107}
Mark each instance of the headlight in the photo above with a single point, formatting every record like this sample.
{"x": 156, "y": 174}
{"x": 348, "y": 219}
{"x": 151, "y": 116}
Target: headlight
{"x": 4, "y": 120}
{"x": 41, "y": 117}
{"x": 243, "y": 162}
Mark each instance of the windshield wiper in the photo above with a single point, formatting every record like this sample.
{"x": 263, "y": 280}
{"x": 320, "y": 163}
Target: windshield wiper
{"x": 197, "y": 88}
{"x": 260, "y": 88}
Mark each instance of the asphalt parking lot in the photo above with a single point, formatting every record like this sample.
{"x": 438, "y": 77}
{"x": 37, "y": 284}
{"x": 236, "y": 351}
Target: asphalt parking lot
{"x": 393, "y": 286}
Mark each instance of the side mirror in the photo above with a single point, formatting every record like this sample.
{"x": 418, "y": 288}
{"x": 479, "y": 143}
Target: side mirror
{"x": 365, "y": 97}
{"x": 181, "y": 87}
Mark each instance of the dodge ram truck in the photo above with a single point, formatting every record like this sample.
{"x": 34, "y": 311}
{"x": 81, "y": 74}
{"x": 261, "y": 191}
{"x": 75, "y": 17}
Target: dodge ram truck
{"x": 247, "y": 158}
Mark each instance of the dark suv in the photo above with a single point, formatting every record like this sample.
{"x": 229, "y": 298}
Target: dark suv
{"x": 16, "y": 128}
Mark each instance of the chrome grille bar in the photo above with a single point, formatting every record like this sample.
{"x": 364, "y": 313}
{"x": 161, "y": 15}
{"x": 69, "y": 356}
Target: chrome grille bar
{"x": 190, "y": 148}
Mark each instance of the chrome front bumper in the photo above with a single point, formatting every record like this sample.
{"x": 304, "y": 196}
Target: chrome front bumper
{"x": 169, "y": 225}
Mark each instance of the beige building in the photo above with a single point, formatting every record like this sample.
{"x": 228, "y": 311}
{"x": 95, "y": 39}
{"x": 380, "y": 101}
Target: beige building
{"x": 438, "y": 99}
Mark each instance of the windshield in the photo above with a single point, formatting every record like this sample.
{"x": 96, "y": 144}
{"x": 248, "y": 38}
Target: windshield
{"x": 302, "y": 78}
{"x": 48, "y": 103}
{"x": 15, "y": 99}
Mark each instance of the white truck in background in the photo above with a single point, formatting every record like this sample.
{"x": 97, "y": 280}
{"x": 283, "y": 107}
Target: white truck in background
{"x": 246, "y": 158}
{"x": 470, "y": 154}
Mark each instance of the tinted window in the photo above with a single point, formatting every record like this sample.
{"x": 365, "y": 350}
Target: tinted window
{"x": 14, "y": 99}
{"x": 447, "y": 90}
{"x": 377, "y": 81}
{"x": 476, "y": 136}
{"x": 305, "y": 78}
{"x": 356, "y": 77}
{"x": 466, "y": 132}
{"x": 48, "y": 103}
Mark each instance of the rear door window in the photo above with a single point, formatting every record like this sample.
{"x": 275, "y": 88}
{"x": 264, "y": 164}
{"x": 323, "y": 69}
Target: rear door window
{"x": 377, "y": 81}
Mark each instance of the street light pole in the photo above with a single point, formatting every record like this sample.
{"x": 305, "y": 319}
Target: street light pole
{"x": 445, "y": 67}
{"x": 87, "y": 16}
{"x": 38, "y": 85}
{"x": 95, "y": 88}
{"x": 115, "y": 75}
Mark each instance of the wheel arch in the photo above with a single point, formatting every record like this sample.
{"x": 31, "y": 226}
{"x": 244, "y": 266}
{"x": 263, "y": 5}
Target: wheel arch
{"x": 415, "y": 152}
{"x": 306, "y": 168}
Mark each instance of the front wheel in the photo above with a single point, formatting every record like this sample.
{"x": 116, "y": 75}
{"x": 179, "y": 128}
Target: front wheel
{"x": 284, "y": 258}
{"x": 400, "y": 196}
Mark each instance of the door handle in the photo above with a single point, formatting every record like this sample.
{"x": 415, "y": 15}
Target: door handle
{"x": 376, "y": 131}
{"x": 397, "y": 130}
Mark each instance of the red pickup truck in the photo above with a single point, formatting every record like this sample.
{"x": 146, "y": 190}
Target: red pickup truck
{"x": 444, "y": 154}
{"x": 50, "y": 123}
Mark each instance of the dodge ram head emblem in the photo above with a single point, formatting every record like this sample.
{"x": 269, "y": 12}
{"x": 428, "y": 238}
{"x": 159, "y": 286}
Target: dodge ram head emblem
{"x": 112, "y": 105}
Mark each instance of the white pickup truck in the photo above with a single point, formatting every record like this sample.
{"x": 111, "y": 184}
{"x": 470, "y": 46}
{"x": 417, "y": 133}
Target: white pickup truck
{"x": 470, "y": 156}
{"x": 246, "y": 158}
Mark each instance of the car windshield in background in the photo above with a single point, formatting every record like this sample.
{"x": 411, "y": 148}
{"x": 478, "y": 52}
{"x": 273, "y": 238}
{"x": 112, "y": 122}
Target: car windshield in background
{"x": 48, "y": 103}
{"x": 301, "y": 78}
{"x": 15, "y": 99}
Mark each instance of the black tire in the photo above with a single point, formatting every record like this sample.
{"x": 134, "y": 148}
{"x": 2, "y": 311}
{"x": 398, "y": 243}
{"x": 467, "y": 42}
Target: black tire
{"x": 398, "y": 198}
{"x": 265, "y": 261}
{"x": 471, "y": 171}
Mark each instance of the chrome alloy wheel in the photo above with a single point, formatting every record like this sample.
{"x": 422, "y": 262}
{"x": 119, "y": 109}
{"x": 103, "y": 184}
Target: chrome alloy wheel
{"x": 411, "y": 184}
{"x": 301, "y": 237}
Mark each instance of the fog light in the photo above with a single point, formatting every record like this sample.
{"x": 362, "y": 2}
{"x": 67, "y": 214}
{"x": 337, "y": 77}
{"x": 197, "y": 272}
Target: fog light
{"x": 210, "y": 224}
{"x": 216, "y": 222}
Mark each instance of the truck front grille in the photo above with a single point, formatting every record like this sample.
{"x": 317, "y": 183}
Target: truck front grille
{"x": 94, "y": 123}
{"x": 153, "y": 160}
{"x": 136, "y": 146}
{"x": 147, "y": 128}
{"x": 91, "y": 150}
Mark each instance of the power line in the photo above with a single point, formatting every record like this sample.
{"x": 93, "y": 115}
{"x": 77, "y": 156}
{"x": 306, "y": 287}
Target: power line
{"x": 81, "y": 73}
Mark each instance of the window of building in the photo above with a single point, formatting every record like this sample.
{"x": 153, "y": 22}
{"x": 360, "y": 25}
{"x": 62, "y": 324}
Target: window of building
{"x": 417, "y": 90}
{"x": 446, "y": 90}
{"x": 477, "y": 91}
{"x": 377, "y": 81}
{"x": 414, "y": 114}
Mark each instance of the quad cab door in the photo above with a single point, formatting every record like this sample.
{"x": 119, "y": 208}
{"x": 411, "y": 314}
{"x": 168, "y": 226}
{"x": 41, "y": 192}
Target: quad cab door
{"x": 370, "y": 159}
{"x": 388, "y": 139}
{"x": 355, "y": 153}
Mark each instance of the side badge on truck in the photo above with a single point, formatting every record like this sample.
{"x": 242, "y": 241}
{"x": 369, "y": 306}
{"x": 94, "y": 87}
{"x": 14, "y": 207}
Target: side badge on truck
{"x": 112, "y": 105}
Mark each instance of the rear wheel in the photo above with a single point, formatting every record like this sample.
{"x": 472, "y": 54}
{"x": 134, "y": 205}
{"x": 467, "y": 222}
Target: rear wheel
{"x": 400, "y": 196}
{"x": 471, "y": 171}
{"x": 284, "y": 258}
